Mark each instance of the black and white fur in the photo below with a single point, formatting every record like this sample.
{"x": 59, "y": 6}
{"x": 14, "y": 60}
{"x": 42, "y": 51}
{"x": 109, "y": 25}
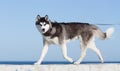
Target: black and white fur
{"x": 61, "y": 33}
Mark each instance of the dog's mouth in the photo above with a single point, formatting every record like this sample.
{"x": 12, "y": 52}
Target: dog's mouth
{"x": 43, "y": 30}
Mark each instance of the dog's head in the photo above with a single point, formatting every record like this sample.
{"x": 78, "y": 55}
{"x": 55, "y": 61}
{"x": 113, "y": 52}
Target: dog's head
{"x": 43, "y": 23}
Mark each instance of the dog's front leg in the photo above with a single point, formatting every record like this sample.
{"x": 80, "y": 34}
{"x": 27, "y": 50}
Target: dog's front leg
{"x": 64, "y": 51}
{"x": 44, "y": 52}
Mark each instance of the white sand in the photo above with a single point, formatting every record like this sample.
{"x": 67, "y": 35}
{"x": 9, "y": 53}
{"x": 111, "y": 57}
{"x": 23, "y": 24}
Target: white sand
{"x": 67, "y": 67}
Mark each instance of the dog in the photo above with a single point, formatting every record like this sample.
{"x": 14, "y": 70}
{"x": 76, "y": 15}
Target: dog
{"x": 60, "y": 33}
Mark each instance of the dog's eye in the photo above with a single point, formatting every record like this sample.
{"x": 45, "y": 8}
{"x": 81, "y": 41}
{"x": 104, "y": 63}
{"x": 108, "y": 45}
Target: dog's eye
{"x": 40, "y": 25}
{"x": 45, "y": 24}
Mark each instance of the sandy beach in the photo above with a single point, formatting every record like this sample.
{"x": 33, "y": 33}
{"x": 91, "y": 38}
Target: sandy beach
{"x": 61, "y": 67}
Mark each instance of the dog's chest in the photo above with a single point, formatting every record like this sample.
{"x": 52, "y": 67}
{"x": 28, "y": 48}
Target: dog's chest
{"x": 52, "y": 40}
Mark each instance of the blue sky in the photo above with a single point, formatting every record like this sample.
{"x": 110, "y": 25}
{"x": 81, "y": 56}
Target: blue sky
{"x": 20, "y": 40}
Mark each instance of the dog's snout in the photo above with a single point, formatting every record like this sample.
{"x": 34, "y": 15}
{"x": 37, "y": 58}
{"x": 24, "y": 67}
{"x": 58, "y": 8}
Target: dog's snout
{"x": 43, "y": 30}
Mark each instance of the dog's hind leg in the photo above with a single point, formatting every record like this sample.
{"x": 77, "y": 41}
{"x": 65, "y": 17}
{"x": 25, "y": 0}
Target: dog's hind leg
{"x": 83, "y": 54}
{"x": 64, "y": 51}
{"x": 96, "y": 50}
{"x": 84, "y": 38}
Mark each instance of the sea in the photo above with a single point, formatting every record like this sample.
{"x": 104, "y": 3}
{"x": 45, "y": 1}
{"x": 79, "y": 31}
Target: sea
{"x": 51, "y": 62}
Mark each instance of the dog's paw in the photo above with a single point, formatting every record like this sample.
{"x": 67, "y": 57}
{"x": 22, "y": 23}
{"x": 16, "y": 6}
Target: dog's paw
{"x": 77, "y": 62}
{"x": 101, "y": 59}
{"x": 70, "y": 59}
{"x": 37, "y": 63}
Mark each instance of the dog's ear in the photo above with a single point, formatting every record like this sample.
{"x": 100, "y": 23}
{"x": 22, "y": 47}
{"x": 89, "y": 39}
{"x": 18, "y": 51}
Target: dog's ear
{"x": 46, "y": 17}
{"x": 38, "y": 17}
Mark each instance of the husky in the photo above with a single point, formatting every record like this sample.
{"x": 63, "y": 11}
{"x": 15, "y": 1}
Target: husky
{"x": 60, "y": 33}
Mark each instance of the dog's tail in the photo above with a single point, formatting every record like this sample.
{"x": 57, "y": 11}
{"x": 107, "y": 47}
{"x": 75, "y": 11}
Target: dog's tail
{"x": 105, "y": 35}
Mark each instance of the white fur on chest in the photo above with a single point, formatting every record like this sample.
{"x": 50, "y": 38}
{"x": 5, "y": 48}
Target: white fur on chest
{"x": 52, "y": 40}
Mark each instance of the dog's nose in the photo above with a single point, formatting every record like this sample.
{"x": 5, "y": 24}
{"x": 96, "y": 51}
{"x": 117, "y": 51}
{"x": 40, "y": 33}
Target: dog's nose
{"x": 43, "y": 30}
